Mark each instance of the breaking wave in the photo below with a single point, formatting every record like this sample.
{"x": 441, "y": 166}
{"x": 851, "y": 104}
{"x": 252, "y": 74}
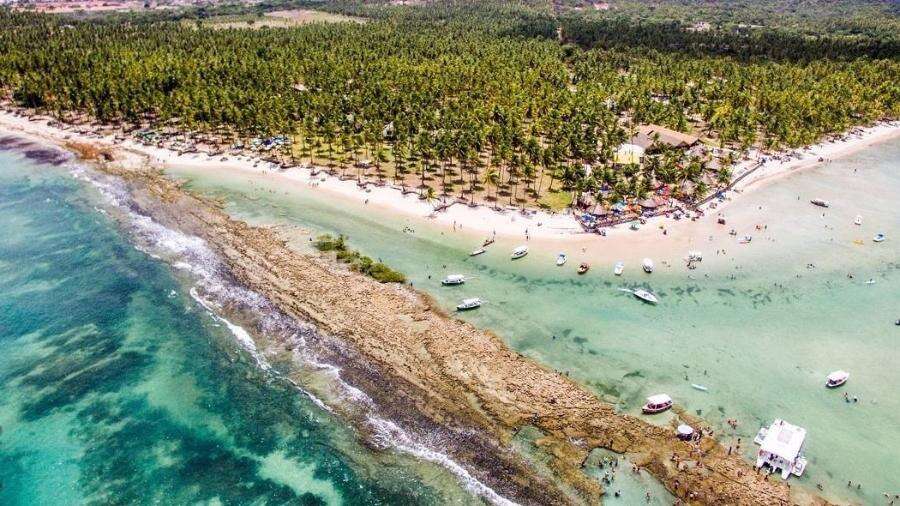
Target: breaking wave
{"x": 214, "y": 290}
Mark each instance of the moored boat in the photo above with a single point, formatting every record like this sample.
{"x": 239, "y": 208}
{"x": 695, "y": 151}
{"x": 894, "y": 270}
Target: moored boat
{"x": 858, "y": 220}
{"x": 820, "y": 202}
{"x": 645, "y": 296}
{"x": 647, "y": 265}
{"x": 467, "y": 304}
{"x": 519, "y": 252}
{"x": 583, "y": 268}
{"x": 836, "y": 379}
{"x": 781, "y": 448}
{"x": 879, "y": 237}
{"x": 561, "y": 259}
{"x": 477, "y": 252}
{"x": 657, "y": 404}
{"x": 745, "y": 240}
{"x": 619, "y": 268}
{"x": 453, "y": 279}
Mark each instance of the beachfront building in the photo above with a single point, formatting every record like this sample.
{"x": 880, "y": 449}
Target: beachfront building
{"x": 780, "y": 447}
{"x": 652, "y": 138}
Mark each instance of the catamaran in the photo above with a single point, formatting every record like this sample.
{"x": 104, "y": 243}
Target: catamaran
{"x": 781, "y": 447}
{"x": 619, "y": 268}
{"x": 645, "y": 296}
{"x": 836, "y": 379}
{"x": 519, "y": 252}
{"x": 657, "y": 404}
{"x": 561, "y": 259}
{"x": 647, "y": 264}
{"x": 453, "y": 279}
{"x": 467, "y": 304}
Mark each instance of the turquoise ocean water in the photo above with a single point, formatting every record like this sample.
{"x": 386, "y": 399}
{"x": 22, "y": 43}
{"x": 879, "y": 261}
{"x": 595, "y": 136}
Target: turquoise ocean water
{"x": 760, "y": 327}
{"x": 118, "y": 387}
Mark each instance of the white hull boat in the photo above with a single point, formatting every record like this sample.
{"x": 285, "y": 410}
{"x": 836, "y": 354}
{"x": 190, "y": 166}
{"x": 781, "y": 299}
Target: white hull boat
{"x": 645, "y": 296}
{"x": 619, "y": 268}
{"x": 467, "y": 304}
{"x": 836, "y": 379}
{"x": 519, "y": 252}
{"x": 657, "y": 404}
{"x": 858, "y": 220}
{"x": 878, "y": 238}
{"x": 453, "y": 279}
{"x": 820, "y": 202}
{"x": 477, "y": 252}
{"x": 647, "y": 265}
{"x": 561, "y": 259}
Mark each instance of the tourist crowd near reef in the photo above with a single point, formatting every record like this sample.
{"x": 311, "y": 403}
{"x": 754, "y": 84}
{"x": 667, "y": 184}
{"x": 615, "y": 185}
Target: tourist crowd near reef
{"x": 521, "y": 105}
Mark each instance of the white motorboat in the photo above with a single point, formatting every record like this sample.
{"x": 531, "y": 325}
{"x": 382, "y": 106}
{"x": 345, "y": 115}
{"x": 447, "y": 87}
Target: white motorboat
{"x": 453, "y": 279}
{"x": 619, "y": 268}
{"x": 466, "y": 304}
{"x": 519, "y": 252}
{"x": 477, "y": 252}
{"x": 879, "y": 238}
{"x": 647, "y": 265}
{"x": 858, "y": 220}
{"x": 645, "y": 296}
{"x": 820, "y": 202}
{"x": 657, "y": 404}
{"x": 836, "y": 379}
{"x": 561, "y": 259}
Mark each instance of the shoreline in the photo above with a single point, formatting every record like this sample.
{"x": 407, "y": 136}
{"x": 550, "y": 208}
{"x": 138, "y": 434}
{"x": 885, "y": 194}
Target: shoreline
{"x": 486, "y": 221}
{"x": 433, "y": 362}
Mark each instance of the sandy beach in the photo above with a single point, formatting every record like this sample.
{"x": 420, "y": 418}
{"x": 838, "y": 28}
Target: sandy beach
{"x": 482, "y": 221}
{"x": 667, "y": 240}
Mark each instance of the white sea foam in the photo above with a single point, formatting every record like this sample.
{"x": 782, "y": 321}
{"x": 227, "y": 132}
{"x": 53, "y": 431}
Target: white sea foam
{"x": 192, "y": 255}
{"x": 389, "y": 434}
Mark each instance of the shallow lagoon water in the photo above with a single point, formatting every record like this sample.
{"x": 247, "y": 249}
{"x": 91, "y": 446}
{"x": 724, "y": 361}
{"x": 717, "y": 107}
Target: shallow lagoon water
{"x": 117, "y": 387}
{"x": 760, "y": 327}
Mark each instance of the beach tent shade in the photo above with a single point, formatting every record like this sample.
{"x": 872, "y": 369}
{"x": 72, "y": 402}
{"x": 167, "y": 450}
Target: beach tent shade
{"x": 628, "y": 154}
{"x": 649, "y": 204}
{"x": 685, "y": 431}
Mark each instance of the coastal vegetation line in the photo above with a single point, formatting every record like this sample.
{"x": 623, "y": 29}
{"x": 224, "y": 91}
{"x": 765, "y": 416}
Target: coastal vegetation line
{"x": 524, "y": 104}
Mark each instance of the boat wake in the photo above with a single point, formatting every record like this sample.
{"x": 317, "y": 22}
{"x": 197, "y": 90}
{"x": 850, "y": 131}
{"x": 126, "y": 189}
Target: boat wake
{"x": 214, "y": 289}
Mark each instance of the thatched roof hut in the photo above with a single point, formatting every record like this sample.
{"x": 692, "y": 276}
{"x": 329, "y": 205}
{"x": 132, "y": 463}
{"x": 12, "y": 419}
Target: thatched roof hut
{"x": 651, "y": 136}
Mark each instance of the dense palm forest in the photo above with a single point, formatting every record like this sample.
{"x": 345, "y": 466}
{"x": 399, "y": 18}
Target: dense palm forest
{"x": 507, "y": 102}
